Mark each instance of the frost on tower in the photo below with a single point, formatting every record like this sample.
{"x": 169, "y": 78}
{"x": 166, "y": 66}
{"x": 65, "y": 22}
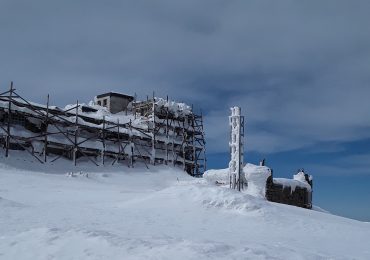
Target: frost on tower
{"x": 236, "y": 122}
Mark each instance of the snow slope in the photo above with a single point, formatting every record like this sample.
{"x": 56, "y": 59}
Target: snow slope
{"x": 121, "y": 213}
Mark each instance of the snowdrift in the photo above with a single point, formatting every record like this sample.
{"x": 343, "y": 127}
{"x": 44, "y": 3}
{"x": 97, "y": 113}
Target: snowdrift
{"x": 255, "y": 175}
{"x": 120, "y": 213}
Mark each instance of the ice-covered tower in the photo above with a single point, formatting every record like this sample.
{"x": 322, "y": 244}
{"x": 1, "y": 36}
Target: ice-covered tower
{"x": 236, "y": 122}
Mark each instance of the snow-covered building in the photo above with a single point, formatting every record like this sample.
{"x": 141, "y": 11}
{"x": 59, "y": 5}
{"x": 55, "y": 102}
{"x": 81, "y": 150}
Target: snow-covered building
{"x": 114, "y": 128}
{"x": 113, "y": 101}
{"x": 258, "y": 181}
{"x": 296, "y": 191}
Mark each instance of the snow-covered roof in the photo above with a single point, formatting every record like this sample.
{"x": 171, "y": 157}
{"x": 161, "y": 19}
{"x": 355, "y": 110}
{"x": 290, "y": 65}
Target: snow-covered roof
{"x": 115, "y": 94}
{"x": 298, "y": 180}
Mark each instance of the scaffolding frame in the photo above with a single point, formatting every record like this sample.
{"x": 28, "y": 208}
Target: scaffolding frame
{"x": 168, "y": 138}
{"x": 190, "y": 152}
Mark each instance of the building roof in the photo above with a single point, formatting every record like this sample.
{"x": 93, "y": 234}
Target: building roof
{"x": 115, "y": 94}
{"x": 88, "y": 109}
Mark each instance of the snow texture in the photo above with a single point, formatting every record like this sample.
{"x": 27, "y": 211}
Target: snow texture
{"x": 297, "y": 181}
{"x": 178, "y": 109}
{"x": 256, "y": 177}
{"x": 220, "y": 176}
{"x": 117, "y": 212}
{"x": 236, "y": 146}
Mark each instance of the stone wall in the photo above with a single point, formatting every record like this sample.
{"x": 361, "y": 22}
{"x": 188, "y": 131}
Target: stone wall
{"x": 297, "y": 196}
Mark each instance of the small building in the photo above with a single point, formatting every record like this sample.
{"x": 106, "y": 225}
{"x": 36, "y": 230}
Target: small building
{"x": 296, "y": 191}
{"x": 115, "y": 102}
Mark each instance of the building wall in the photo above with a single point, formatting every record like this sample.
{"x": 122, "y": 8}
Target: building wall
{"x": 181, "y": 145}
{"x": 118, "y": 104}
{"x": 300, "y": 197}
{"x": 105, "y": 102}
{"x": 114, "y": 104}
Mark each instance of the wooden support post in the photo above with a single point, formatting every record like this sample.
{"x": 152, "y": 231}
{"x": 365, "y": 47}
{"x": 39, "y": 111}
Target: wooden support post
{"x": 134, "y": 106}
{"x": 7, "y": 142}
{"x": 103, "y": 138}
{"x": 195, "y": 163}
{"x": 75, "y": 148}
{"x": 167, "y": 132}
{"x": 173, "y": 142}
{"x": 183, "y": 144}
{"x": 153, "y": 154}
{"x": 131, "y": 147}
{"x": 119, "y": 141}
{"x": 173, "y": 153}
{"x": 46, "y": 129}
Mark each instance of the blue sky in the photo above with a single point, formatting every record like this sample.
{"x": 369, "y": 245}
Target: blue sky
{"x": 299, "y": 70}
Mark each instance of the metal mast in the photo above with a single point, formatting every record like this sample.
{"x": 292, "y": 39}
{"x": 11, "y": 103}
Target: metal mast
{"x": 236, "y": 144}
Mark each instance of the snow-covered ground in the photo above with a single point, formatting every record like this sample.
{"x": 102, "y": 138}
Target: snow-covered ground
{"x": 115, "y": 212}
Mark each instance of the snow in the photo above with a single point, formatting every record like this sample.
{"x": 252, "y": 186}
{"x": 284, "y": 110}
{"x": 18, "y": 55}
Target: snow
{"x": 220, "y": 176}
{"x": 102, "y": 112}
{"x": 292, "y": 183}
{"x": 236, "y": 146}
{"x": 133, "y": 125}
{"x": 115, "y": 212}
{"x": 256, "y": 176}
{"x": 177, "y": 108}
{"x": 299, "y": 177}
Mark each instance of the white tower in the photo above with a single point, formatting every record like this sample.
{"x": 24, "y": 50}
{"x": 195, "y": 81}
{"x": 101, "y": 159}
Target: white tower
{"x": 236, "y": 122}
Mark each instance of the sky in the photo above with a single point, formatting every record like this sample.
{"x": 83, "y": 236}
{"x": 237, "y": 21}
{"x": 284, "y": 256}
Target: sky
{"x": 300, "y": 71}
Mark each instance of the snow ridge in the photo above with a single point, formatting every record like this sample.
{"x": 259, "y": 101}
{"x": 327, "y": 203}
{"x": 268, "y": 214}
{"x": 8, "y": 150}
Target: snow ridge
{"x": 134, "y": 213}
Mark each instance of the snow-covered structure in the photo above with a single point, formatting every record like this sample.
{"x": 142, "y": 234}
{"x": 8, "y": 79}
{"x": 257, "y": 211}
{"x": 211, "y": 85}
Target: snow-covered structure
{"x": 259, "y": 182}
{"x": 256, "y": 177}
{"x": 114, "y": 102}
{"x": 236, "y": 122}
{"x": 114, "y": 127}
{"x": 296, "y": 191}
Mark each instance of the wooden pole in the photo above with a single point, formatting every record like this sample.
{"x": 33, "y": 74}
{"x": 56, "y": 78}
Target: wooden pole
{"x": 75, "y": 149}
{"x": 173, "y": 127}
{"x": 46, "y": 129}
{"x": 134, "y": 106}
{"x": 9, "y": 119}
{"x": 131, "y": 147}
{"x": 153, "y": 154}
{"x": 195, "y": 161}
{"x": 103, "y": 137}
{"x": 167, "y": 132}
{"x": 183, "y": 144}
{"x": 173, "y": 152}
{"x": 119, "y": 141}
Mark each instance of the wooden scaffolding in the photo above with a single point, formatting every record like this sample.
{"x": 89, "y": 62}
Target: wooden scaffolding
{"x": 49, "y": 133}
{"x": 167, "y": 127}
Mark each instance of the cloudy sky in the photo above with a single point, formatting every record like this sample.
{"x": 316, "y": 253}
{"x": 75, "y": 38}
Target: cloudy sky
{"x": 300, "y": 70}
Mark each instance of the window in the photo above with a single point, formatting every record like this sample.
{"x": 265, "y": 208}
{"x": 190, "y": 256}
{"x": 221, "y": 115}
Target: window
{"x": 99, "y": 103}
{"x": 105, "y": 102}
{"x": 18, "y": 119}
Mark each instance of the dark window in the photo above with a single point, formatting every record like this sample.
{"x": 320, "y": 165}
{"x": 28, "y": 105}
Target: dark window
{"x": 17, "y": 119}
{"x": 99, "y": 103}
{"x": 105, "y": 101}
